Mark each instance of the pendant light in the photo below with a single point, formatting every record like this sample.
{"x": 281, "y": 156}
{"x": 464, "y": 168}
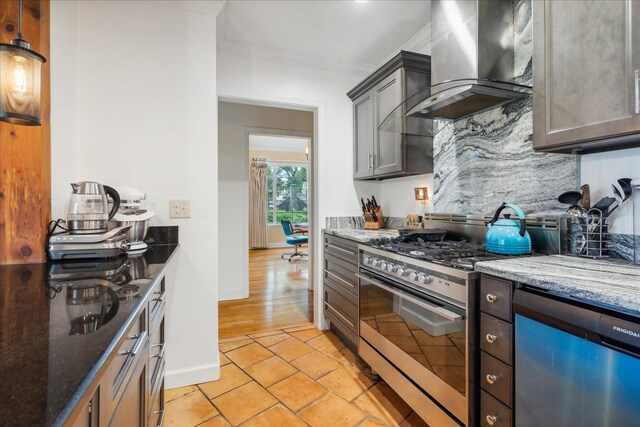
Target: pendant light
{"x": 20, "y": 77}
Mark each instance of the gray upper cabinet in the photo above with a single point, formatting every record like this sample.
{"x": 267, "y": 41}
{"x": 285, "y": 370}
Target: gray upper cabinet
{"x": 385, "y": 143}
{"x": 586, "y": 75}
{"x": 363, "y": 130}
{"x": 388, "y": 141}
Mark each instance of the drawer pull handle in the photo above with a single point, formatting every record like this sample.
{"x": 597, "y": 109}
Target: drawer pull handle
{"x": 491, "y": 379}
{"x": 491, "y": 298}
{"x": 161, "y": 354}
{"x": 340, "y": 249}
{"x": 353, "y": 325}
{"x": 161, "y": 297}
{"x": 491, "y": 419}
{"x": 161, "y": 421}
{"x": 335, "y": 276}
{"x": 491, "y": 338}
{"x": 136, "y": 347}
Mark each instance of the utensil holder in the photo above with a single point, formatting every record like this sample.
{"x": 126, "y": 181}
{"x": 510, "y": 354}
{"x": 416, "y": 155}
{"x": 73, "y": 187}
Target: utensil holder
{"x": 378, "y": 223}
{"x": 595, "y": 234}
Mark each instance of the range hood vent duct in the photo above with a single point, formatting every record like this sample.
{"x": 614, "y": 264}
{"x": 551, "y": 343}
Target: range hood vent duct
{"x": 472, "y": 62}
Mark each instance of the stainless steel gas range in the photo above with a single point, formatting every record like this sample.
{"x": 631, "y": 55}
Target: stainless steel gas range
{"x": 418, "y": 316}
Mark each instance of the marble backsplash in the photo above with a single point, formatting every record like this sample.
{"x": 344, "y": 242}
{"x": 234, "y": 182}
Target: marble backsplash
{"x": 488, "y": 158}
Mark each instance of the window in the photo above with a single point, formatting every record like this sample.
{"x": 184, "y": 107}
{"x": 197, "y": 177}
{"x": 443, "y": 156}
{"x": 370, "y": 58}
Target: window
{"x": 286, "y": 193}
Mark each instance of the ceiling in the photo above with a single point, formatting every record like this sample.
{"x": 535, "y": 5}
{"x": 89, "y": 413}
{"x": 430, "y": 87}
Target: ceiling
{"x": 285, "y": 144}
{"x": 360, "y": 34}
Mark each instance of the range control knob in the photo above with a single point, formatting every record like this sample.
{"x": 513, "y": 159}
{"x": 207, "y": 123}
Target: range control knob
{"x": 392, "y": 268}
{"x": 425, "y": 278}
{"x": 383, "y": 265}
{"x": 414, "y": 275}
{"x": 402, "y": 271}
{"x": 375, "y": 262}
{"x": 368, "y": 260}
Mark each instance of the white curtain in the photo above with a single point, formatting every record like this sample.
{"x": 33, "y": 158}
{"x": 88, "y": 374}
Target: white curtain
{"x": 258, "y": 237}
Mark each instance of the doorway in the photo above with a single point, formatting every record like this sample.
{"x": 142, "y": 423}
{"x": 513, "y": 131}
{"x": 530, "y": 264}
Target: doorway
{"x": 266, "y": 290}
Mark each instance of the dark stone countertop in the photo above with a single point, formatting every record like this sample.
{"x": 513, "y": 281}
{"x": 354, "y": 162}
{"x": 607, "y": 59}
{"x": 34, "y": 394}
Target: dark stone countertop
{"x": 46, "y": 365}
{"x": 611, "y": 282}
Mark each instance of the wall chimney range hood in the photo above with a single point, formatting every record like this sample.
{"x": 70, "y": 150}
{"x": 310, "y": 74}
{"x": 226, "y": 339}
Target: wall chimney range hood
{"x": 472, "y": 61}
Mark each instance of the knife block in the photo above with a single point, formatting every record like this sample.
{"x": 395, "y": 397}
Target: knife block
{"x": 370, "y": 224}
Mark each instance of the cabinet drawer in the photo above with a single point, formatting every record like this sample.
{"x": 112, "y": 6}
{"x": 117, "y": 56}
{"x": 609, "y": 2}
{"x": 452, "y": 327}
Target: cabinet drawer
{"x": 126, "y": 357}
{"x": 341, "y": 273}
{"x": 156, "y": 409}
{"x": 157, "y": 347}
{"x": 345, "y": 333}
{"x": 156, "y": 302}
{"x": 496, "y": 297}
{"x": 341, "y": 248}
{"x": 341, "y": 307}
{"x": 496, "y": 377}
{"x": 496, "y": 338}
{"x": 493, "y": 413}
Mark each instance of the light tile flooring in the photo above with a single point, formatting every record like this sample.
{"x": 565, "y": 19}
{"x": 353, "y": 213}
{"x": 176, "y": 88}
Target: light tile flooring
{"x": 289, "y": 377}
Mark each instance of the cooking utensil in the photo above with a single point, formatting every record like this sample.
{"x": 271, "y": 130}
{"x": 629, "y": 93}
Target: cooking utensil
{"x": 373, "y": 199}
{"x": 604, "y": 204}
{"x": 364, "y": 208}
{"x": 570, "y": 198}
{"x": 508, "y": 236}
{"x": 585, "y": 201}
{"x": 625, "y": 186}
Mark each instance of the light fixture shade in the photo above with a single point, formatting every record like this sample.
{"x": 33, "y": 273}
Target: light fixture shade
{"x": 20, "y": 85}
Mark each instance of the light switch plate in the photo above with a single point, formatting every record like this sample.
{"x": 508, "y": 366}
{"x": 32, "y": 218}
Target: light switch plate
{"x": 180, "y": 208}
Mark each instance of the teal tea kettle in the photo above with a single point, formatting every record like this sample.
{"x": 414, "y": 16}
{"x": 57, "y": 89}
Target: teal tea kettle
{"x": 508, "y": 236}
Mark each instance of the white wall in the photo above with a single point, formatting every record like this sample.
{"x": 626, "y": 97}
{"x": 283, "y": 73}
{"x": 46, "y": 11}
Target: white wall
{"x": 142, "y": 101}
{"x": 235, "y": 120}
{"x": 600, "y": 170}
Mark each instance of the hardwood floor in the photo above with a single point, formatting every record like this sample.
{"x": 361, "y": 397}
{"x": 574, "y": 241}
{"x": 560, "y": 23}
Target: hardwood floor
{"x": 278, "y": 296}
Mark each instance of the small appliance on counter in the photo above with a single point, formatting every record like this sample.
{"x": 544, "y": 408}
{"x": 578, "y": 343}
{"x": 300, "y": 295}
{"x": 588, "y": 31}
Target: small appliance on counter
{"x": 132, "y": 214}
{"x": 68, "y": 246}
{"x": 508, "y": 236}
{"x": 88, "y": 210}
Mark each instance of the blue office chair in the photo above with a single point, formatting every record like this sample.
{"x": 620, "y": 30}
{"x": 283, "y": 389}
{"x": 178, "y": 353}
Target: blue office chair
{"x": 293, "y": 240}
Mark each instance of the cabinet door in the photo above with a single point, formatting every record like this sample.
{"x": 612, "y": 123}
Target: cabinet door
{"x": 90, "y": 414}
{"x": 586, "y": 62}
{"x": 132, "y": 409}
{"x": 388, "y": 95}
{"x": 363, "y": 128}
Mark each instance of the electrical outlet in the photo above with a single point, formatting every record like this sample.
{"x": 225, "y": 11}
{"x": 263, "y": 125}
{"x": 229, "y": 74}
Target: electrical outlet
{"x": 180, "y": 208}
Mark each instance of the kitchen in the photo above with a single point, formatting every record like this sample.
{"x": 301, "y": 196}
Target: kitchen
{"x": 476, "y": 163}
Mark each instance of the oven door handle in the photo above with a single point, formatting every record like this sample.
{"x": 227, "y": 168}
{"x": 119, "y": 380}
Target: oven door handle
{"x": 441, "y": 311}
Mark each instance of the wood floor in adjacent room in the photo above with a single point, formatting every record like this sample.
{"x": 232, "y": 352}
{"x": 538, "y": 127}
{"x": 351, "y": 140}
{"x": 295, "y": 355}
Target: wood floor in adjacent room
{"x": 278, "y": 296}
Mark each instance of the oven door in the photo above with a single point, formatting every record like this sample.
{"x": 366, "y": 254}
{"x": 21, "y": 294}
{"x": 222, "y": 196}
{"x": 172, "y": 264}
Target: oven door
{"x": 421, "y": 335}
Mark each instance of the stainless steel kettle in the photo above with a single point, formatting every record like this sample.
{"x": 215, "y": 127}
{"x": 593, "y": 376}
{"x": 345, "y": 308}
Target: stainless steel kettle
{"x": 88, "y": 211}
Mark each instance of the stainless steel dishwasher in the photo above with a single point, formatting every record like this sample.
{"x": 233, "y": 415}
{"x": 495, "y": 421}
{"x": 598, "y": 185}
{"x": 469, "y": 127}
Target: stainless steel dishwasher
{"x": 576, "y": 364}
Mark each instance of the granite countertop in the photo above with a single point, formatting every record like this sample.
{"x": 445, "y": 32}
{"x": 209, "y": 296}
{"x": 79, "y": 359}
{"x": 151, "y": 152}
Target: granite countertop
{"x": 362, "y": 235}
{"x": 46, "y": 364}
{"x": 612, "y": 282}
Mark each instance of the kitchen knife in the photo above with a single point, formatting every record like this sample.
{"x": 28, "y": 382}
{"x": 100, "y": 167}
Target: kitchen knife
{"x": 373, "y": 199}
{"x": 364, "y": 208}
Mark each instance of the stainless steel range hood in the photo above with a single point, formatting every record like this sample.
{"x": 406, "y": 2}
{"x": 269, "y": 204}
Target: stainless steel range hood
{"x": 472, "y": 62}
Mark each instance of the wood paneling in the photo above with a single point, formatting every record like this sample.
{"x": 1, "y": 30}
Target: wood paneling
{"x": 25, "y": 151}
{"x": 278, "y": 296}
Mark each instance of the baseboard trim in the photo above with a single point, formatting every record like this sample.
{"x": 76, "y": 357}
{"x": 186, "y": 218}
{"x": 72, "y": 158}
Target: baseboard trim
{"x": 189, "y": 376}
{"x": 228, "y": 296}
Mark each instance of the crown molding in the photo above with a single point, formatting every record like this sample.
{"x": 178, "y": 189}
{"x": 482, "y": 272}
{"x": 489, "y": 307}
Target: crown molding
{"x": 227, "y": 47}
{"x": 208, "y": 7}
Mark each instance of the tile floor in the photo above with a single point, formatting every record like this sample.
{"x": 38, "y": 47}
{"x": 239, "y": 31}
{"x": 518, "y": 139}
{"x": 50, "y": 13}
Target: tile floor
{"x": 288, "y": 377}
